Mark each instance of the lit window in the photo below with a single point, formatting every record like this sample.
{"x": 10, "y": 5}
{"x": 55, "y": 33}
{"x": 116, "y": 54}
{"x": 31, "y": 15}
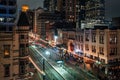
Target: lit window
{"x": 113, "y": 39}
{"x": 1, "y": 19}
{"x": 6, "y": 51}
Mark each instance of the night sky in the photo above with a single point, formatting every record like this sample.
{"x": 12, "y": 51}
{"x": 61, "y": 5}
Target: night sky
{"x": 31, "y": 3}
{"x": 112, "y": 7}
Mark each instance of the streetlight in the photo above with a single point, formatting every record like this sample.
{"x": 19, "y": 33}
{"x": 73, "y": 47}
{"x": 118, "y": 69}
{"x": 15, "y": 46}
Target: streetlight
{"x": 55, "y": 39}
{"x": 48, "y": 54}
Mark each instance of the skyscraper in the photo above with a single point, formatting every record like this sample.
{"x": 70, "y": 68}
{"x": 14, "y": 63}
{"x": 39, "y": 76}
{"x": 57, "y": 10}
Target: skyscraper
{"x": 70, "y": 10}
{"x": 94, "y": 12}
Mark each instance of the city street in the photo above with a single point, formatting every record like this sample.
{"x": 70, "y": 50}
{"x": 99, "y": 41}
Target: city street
{"x": 67, "y": 67}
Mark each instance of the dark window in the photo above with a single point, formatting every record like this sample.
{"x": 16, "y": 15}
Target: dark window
{"x": 3, "y": 11}
{"x": 22, "y": 50}
{"x": 27, "y": 45}
{"x": 93, "y": 38}
{"x": 101, "y": 39}
{"x": 2, "y": 28}
{"x": 3, "y": 2}
{"x": 12, "y": 2}
{"x": 22, "y": 67}
{"x": 12, "y": 11}
{"x": 113, "y": 51}
{"x": 7, "y": 70}
{"x": 94, "y": 49}
{"x": 22, "y": 45}
{"x": 87, "y": 37}
{"x": 101, "y": 50}
{"x": 10, "y": 28}
{"x": 81, "y": 38}
{"x": 22, "y": 36}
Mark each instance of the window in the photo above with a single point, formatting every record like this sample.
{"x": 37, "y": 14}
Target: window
{"x": 22, "y": 36}
{"x": 12, "y": 11}
{"x": 101, "y": 38}
{"x": 94, "y": 49}
{"x": 22, "y": 67}
{"x": 81, "y": 47}
{"x": 87, "y": 37}
{"x": 93, "y": 38}
{"x": 7, "y": 70}
{"x": 3, "y": 2}
{"x": 2, "y": 11}
{"x": 6, "y": 51}
{"x": 101, "y": 50}
{"x": 81, "y": 38}
{"x": 12, "y": 2}
{"x": 22, "y": 50}
{"x": 113, "y": 39}
{"x": 113, "y": 51}
{"x": 86, "y": 47}
{"x": 2, "y": 19}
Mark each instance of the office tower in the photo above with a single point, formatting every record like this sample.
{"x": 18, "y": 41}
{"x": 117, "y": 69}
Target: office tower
{"x": 94, "y": 12}
{"x": 46, "y": 4}
{"x": 75, "y": 11}
{"x": 70, "y": 10}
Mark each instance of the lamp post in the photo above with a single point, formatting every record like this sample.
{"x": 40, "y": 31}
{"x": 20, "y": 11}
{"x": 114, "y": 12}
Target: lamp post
{"x": 48, "y": 54}
{"x": 43, "y": 68}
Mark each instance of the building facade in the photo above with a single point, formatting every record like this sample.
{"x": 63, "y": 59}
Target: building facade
{"x": 23, "y": 31}
{"x": 98, "y": 47}
{"x": 8, "y": 47}
{"x": 43, "y": 21}
{"x": 11, "y": 40}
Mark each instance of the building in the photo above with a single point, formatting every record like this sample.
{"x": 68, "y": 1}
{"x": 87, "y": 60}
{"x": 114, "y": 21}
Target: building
{"x": 8, "y": 48}
{"x": 43, "y": 21}
{"x": 100, "y": 47}
{"x": 36, "y": 23}
{"x": 46, "y": 4}
{"x": 22, "y": 31}
{"x": 12, "y": 38}
{"x": 103, "y": 45}
{"x": 94, "y": 13}
{"x": 70, "y": 10}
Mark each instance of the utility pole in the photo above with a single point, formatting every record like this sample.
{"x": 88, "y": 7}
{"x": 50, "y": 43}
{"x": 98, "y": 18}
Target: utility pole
{"x": 43, "y": 69}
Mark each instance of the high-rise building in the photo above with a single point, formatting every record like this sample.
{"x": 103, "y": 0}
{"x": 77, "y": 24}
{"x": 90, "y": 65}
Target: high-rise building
{"x": 8, "y": 67}
{"x": 70, "y": 11}
{"x": 7, "y": 15}
{"x": 94, "y": 13}
{"x": 75, "y": 11}
{"x": 46, "y": 4}
{"x": 95, "y": 10}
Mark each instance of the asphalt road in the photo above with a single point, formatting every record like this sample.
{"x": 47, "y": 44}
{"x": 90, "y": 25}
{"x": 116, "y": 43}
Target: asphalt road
{"x": 66, "y": 71}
